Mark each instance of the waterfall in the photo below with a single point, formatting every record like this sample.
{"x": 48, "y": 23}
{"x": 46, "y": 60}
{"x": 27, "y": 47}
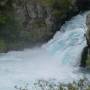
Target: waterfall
{"x": 58, "y": 59}
{"x": 67, "y": 44}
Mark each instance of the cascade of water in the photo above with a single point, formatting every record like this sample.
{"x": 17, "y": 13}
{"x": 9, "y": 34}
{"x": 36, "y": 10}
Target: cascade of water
{"x": 68, "y": 43}
{"x": 54, "y": 60}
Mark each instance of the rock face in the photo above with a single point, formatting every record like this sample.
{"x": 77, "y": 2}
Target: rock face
{"x": 88, "y": 26}
{"x": 85, "y": 54}
{"x": 26, "y": 23}
{"x": 36, "y": 20}
{"x": 40, "y": 19}
{"x": 31, "y": 22}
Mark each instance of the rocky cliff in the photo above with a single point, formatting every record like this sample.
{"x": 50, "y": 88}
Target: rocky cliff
{"x": 25, "y": 23}
{"x": 88, "y": 25}
{"x": 40, "y": 19}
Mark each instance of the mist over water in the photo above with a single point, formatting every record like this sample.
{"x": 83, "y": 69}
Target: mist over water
{"x": 58, "y": 59}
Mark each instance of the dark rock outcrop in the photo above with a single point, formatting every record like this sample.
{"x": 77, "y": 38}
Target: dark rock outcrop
{"x": 88, "y": 26}
{"x": 84, "y": 57}
{"x": 85, "y": 52}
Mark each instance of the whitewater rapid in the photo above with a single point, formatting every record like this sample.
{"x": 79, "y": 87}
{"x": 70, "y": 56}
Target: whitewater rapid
{"x": 58, "y": 59}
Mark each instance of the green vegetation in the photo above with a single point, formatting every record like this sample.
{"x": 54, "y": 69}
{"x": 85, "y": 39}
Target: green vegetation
{"x": 4, "y": 18}
{"x": 57, "y": 3}
{"x": 2, "y": 46}
{"x": 61, "y": 10}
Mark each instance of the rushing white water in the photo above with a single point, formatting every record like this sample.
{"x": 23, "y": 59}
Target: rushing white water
{"x": 69, "y": 43}
{"x": 58, "y": 59}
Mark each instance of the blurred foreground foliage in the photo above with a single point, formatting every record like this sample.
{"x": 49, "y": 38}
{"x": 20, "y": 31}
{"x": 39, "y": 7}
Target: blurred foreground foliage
{"x": 82, "y": 84}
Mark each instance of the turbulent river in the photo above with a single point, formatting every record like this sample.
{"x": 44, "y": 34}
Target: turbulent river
{"x": 57, "y": 60}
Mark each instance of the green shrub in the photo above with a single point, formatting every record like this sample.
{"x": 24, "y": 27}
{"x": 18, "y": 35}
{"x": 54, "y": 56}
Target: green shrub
{"x": 2, "y": 19}
{"x": 2, "y": 46}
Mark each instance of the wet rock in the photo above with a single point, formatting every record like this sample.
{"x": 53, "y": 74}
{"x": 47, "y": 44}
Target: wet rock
{"x": 88, "y": 26}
